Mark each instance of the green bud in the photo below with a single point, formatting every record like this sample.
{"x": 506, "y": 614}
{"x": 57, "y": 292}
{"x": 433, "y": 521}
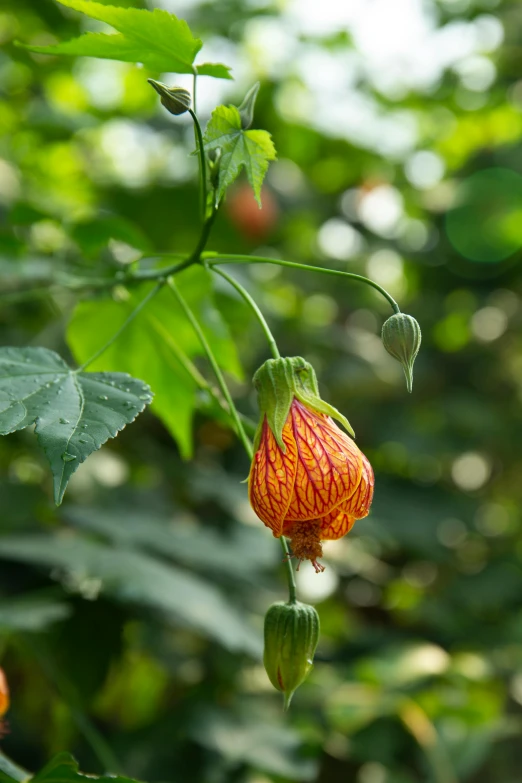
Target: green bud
{"x": 175, "y": 99}
{"x": 277, "y": 382}
{"x": 291, "y": 636}
{"x": 401, "y": 335}
{"x": 246, "y": 109}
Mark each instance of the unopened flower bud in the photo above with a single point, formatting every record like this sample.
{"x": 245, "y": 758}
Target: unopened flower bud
{"x": 401, "y": 335}
{"x": 291, "y": 636}
{"x": 175, "y": 99}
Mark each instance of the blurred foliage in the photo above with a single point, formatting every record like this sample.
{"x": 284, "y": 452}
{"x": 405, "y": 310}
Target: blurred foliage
{"x": 131, "y": 618}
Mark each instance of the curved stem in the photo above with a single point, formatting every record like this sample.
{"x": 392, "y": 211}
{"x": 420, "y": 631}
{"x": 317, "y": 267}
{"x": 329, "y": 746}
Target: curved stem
{"x": 139, "y": 307}
{"x": 218, "y": 258}
{"x": 245, "y": 440}
{"x": 259, "y": 315}
{"x": 202, "y": 160}
{"x": 422, "y": 729}
{"x": 292, "y": 591}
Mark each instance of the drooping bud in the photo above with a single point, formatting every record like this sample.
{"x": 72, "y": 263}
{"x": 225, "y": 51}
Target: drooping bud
{"x": 246, "y": 109}
{"x": 177, "y": 100}
{"x": 291, "y": 636}
{"x": 277, "y": 382}
{"x": 401, "y": 335}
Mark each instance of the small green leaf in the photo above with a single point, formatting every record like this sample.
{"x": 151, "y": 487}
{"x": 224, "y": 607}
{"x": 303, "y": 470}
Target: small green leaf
{"x": 217, "y": 70}
{"x": 63, "y": 768}
{"x": 158, "y": 39}
{"x": 154, "y": 345}
{"x": 74, "y": 412}
{"x": 248, "y": 149}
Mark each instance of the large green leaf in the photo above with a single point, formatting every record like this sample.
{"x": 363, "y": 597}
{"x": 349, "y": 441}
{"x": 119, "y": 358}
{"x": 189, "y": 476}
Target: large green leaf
{"x": 153, "y": 345}
{"x": 142, "y": 579}
{"x": 74, "y": 412}
{"x": 241, "y": 554}
{"x": 159, "y": 40}
{"x": 248, "y": 149}
{"x": 63, "y": 768}
{"x": 31, "y": 613}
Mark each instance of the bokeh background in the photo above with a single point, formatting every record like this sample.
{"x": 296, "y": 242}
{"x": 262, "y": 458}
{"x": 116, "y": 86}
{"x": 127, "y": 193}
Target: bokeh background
{"x": 131, "y": 618}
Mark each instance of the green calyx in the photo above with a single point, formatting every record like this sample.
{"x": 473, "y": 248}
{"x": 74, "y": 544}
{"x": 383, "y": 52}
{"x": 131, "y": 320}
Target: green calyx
{"x": 291, "y": 636}
{"x": 401, "y": 336}
{"x": 277, "y": 382}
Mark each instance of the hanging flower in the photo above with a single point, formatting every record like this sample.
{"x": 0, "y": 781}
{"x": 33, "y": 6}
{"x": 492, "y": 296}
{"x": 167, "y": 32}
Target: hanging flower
{"x": 308, "y": 479}
{"x": 4, "y": 694}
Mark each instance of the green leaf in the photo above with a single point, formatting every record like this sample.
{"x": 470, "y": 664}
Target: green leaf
{"x": 154, "y": 344}
{"x": 31, "y": 613}
{"x": 63, "y": 768}
{"x": 248, "y": 149}
{"x": 131, "y": 576}
{"x": 159, "y": 40}
{"x": 75, "y": 412}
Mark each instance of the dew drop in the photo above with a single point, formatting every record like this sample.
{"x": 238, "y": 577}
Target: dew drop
{"x": 103, "y": 397}
{"x": 64, "y": 421}
{"x": 144, "y": 397}
{"x": 68, "y": 457}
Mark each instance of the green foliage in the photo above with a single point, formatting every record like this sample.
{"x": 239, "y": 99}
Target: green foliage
{"x": 251, "y": 150}
{"x": 142, "y": 579}
{"x": 75, "y": 412}
{"x": 156, "y": 345}
{"x": 159, "y": 40}
{"x": 63, "y": 768}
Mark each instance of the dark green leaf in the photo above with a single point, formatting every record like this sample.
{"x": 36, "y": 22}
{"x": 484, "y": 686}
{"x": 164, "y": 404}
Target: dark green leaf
{"x": 248, "y": 149}
{"x": 142, "y": 579}
{"x": 75, "y": 412}
{"x": 64, "y": 769}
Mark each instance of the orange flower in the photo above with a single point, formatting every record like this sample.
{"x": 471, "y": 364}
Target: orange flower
{"x": 308, "y": 480}
{"x": 4, "y": 694}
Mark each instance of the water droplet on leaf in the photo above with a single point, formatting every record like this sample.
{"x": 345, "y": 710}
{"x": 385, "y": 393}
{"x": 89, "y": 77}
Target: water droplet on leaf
{"x": 103, "y": 397}
{"x": 68, "y": 457}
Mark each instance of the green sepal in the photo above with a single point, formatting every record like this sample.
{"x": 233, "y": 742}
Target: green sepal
{"x": 277, "y": 382}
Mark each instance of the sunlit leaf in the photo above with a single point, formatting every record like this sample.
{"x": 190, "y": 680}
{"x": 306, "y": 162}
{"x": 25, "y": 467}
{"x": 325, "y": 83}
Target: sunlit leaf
{"x": 251, "y": 150}
{"x": 63, "y": 768}
{"x": 74, "y": 412}
{"x": 157, "y": 39}
{"x": 154, "y": 344}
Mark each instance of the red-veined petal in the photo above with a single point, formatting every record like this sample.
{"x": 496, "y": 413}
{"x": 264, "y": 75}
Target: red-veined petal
{"x": 272, "y": 477}
{"x": 329, "y": 465}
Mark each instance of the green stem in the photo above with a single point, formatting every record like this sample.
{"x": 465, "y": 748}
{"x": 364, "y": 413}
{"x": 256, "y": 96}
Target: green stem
{"x": 139, "y": 307}
{"x": 218, "y": 258}
{"x": 202, "y": 159}
{"x": 245, "y": 440}
{"x": 259, "y": 315}
{"x": 275, "y": 352}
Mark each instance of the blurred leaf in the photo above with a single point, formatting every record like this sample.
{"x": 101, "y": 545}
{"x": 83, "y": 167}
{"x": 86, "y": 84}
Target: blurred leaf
{"x": 248, "y": 149}
{"x": 159, "y": 40}
{"x": 268, "y": 746}
{"x": 75, "y": 412}
{"x": 154, "y": 344}
{"x": 239, "y": 555}
{"x": 64, "y": 769}
{"x": 31, "y": 613}
{"x": 10, "y": 771}
{"x": 142, "y": 579}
